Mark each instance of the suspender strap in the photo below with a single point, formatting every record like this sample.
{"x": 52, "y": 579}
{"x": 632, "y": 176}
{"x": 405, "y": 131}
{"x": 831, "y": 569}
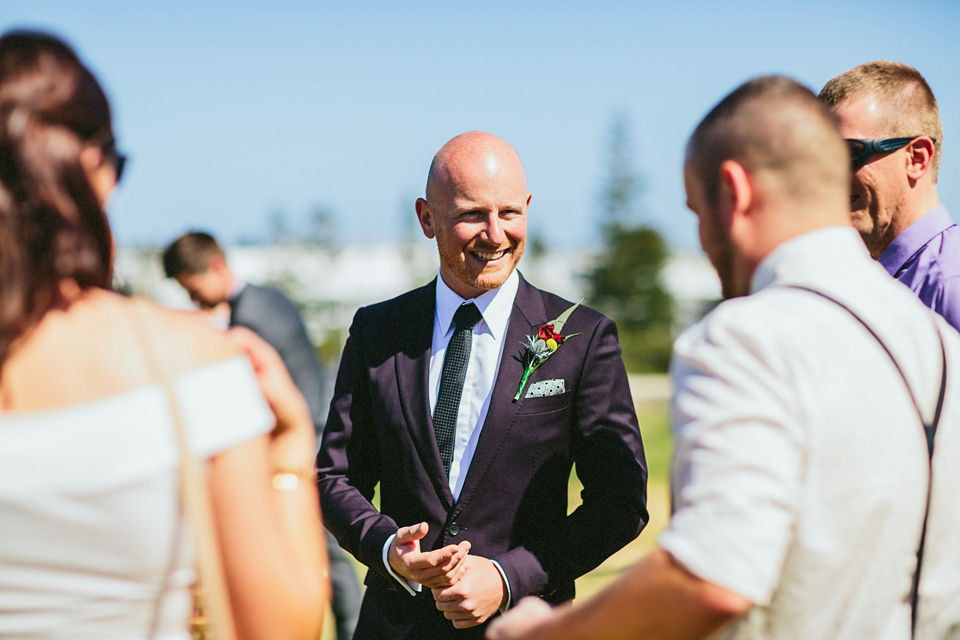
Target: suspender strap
{"x": 930, "y": 432}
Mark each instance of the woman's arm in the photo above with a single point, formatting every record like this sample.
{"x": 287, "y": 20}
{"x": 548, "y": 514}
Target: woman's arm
{"x": 266, "y": 507}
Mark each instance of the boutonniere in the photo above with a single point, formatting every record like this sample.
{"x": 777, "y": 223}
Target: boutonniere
{"x": 538, "y": 348}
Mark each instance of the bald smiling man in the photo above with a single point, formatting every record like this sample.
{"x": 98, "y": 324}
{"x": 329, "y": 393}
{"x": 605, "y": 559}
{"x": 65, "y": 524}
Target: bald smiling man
{"x": 473, "y": 460}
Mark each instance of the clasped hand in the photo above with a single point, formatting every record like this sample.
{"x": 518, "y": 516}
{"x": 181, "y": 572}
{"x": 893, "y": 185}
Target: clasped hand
{"x": 438, "y": 568}
{"x": 468, "y": 589}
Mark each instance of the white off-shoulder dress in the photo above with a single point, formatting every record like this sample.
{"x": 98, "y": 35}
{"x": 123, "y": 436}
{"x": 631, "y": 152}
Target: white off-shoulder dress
{"x": 92, "y": 541}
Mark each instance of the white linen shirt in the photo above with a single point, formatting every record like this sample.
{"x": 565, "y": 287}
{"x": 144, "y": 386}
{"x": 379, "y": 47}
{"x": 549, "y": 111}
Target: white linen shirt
{"x": 486, "y": 351}
{"x": 800, "y": 466}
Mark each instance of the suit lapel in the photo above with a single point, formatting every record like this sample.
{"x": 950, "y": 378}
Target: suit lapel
{"x": 234, "y": 303}
{"x": 528, "y": 312}
{"x": 412, "y": 366}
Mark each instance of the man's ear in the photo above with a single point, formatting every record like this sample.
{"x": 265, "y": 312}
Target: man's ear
{"x": 919, "y": 157}
{"x": 736, "y": 191}
{"x": 217, "y": 263}
{"x": 425, "y": 217}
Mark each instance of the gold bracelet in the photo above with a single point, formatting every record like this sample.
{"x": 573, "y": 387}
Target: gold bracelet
{"x": 289, "y": 479}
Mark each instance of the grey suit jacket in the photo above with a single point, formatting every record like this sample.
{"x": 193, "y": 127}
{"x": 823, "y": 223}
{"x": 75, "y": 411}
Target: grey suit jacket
{"x": 269, "y": 313}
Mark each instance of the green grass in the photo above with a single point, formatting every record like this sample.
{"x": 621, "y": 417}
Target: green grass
{"x": 658, "y": 447}
{"x": 657, "y": 441}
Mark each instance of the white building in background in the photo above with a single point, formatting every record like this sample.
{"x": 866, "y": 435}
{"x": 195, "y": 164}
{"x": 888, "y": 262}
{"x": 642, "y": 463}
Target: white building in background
{"x": 331, "y": 284}
{"x": 695, "y": 287}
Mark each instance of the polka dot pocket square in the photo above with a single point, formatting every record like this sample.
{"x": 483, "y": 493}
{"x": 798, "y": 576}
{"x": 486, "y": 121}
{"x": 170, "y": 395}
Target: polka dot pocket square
{"x": 546, "y": 388}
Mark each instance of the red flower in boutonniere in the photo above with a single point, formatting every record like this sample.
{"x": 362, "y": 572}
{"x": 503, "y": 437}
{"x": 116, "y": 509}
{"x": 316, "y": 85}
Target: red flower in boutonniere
{"x": 547, "y": 333}
{"x": 540, "y": 347}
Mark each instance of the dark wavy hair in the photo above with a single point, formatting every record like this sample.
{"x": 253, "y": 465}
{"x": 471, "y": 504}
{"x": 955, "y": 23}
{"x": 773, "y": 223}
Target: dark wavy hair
{"x": 52, "y": 227}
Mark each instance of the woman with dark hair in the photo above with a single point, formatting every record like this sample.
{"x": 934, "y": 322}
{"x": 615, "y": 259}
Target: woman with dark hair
{"x": 93, "y": 541}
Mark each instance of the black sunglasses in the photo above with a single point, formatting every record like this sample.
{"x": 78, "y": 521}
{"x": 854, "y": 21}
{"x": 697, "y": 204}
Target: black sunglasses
{"x": 861, "y": 150}
{"x": 117, "y": 159}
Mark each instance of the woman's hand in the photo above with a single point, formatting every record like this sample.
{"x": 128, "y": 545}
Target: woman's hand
{"x": 293, "y": 439}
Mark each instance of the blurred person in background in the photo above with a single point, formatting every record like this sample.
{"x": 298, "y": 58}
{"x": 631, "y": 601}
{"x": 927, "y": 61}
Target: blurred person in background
{"x": 93, "y": 542}
{"x": 199, "y": 264}
{"x": 891, "y": 122}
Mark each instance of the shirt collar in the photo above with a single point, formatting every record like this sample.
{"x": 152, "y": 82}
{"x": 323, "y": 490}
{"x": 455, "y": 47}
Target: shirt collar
{"x": 235, "y": 289}
{"x": 818, "y": 250}
{"x": 494, "y": 305}
{"x": 914, "y": 238}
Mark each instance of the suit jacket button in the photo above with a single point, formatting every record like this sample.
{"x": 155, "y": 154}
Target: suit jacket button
{"x": 453, "y": 529}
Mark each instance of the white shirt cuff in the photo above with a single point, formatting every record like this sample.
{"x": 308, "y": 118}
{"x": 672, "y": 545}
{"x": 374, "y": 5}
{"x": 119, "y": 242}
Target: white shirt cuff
{"x": 413, "y": 588}
{"x": 503, "y": 574}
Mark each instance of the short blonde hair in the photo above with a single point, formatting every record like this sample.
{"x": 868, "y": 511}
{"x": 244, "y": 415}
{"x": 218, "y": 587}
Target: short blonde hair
{"x": 910, "y": 109}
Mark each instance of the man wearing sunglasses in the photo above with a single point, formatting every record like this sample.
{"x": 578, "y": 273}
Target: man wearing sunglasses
{"x": 891, "y": 123}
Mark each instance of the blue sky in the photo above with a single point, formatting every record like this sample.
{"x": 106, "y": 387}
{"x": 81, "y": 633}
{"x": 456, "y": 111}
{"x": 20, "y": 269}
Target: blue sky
{"x": 234, "y": 111}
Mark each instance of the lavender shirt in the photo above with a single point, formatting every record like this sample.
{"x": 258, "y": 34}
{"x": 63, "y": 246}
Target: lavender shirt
{"x": 926, "y": 258}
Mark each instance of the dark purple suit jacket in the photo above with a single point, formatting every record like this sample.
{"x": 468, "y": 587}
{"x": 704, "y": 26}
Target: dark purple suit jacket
{"x": 513, "y": 505}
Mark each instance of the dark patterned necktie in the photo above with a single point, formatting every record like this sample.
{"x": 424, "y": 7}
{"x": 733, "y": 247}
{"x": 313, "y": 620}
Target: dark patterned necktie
{"x": 451, "y": 381}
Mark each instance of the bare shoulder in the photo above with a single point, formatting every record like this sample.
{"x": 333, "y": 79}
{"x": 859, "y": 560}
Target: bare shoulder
{"x": 187, "y": 342}
{"x": 100, "y": 346}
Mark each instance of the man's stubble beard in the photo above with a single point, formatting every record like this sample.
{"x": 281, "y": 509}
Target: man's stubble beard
{"x": 455, "y": 261}
{"x": 877, "y": 237}
{"x": 726, "y": 271}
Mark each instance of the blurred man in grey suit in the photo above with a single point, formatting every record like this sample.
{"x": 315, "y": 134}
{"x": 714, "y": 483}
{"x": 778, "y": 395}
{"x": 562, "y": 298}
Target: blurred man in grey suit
{"x": 198, "y": 263}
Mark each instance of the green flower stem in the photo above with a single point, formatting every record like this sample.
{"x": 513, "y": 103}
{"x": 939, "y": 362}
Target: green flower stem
{"x": 523, "y": 381}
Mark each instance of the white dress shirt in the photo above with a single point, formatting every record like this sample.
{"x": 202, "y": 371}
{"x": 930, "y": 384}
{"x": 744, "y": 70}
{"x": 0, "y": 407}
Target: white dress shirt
{"x": 486, "y": 352}
{"x": 800, "y": 466}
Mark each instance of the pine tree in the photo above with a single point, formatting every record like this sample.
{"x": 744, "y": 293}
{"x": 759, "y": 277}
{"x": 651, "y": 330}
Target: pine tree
{"x": 626, "y": 281}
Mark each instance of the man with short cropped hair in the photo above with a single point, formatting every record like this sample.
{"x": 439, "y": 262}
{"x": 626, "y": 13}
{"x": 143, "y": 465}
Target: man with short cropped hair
{"x": 890, "y": 119}
{"x": 199, "y": 264}
{"x": 800, "y": 473}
